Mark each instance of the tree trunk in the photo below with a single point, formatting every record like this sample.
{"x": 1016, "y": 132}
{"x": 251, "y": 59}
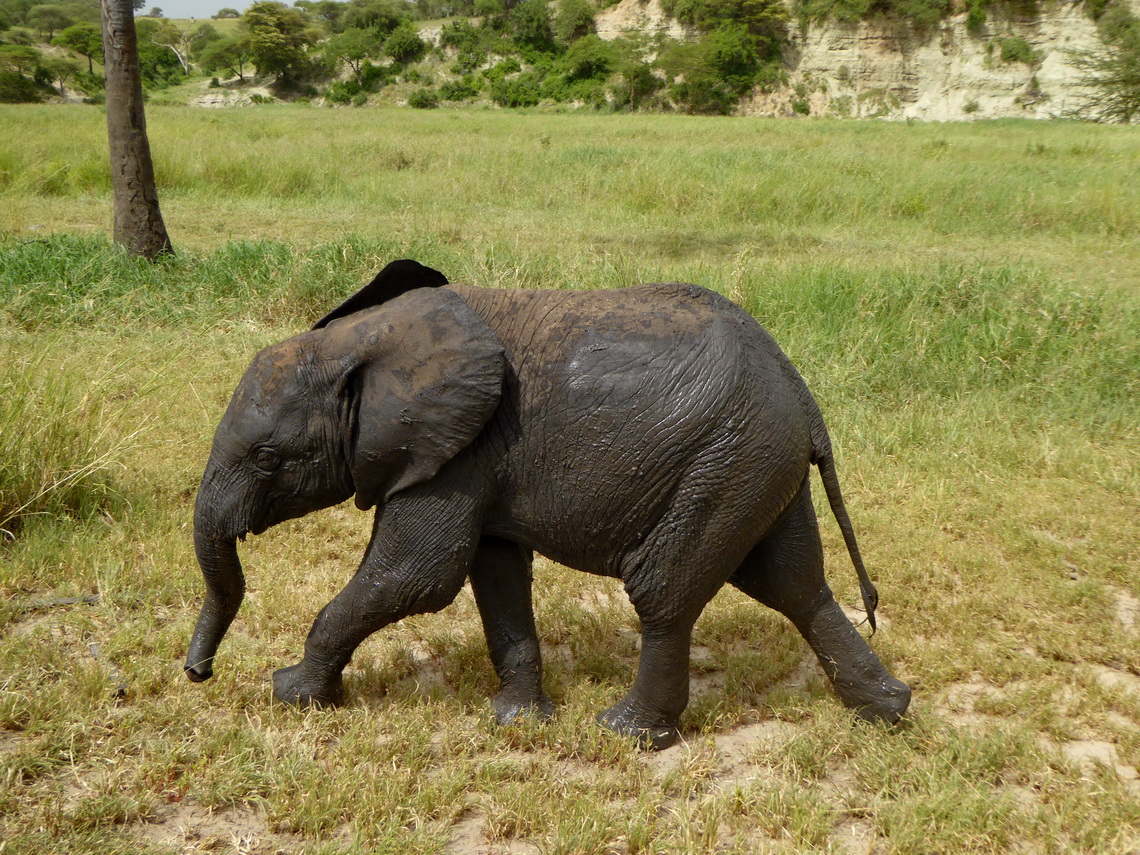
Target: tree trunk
{"x": 138, "y": 222}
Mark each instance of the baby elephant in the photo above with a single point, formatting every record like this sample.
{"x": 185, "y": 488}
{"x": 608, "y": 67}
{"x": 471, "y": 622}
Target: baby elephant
{"x": 655, "y": 434}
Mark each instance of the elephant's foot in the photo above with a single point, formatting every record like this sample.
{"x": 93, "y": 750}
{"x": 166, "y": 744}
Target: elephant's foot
{"x": 651, "y": 734}
{"x": 293, "y": 686}
{"x": 509, "y": 708}
{"x": 885, "y": 700}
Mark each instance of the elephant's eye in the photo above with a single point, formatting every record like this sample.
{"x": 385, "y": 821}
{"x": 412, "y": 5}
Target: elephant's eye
{"x": 266, "y": 459}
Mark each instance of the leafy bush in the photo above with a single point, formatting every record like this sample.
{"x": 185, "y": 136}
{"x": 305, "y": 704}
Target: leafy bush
{"x": 17, "y": 89}
{"x": 1017, "y": 49}
{"x": 919, "y": 13}
{"x": 372, "y": 77}
{"x": 343, "y": 91}
{"x": 522, "y": 91}
{"x": 404, "y": 44}
{"x": 530, "y": 27}
{"x": 461, "y": 35}
{"x": 463, "y": 89}
{"x": 575, "y": 19}
{"x": 975, "y": 15}
{"x": 424, "y": 99}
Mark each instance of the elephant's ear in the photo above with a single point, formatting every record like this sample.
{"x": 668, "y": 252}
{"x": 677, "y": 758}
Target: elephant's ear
{"x": 429, "y": 376}
{"x": 395, "y": 279}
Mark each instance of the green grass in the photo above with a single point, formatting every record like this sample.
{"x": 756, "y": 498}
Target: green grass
{"x": 962, "y": 300}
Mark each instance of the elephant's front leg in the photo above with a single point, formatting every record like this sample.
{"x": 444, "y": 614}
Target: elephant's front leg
{"x": 416, "y": 562}
{"x": 501, "y": 582}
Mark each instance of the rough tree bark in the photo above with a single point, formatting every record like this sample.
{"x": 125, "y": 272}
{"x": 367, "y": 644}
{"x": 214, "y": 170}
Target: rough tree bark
{"x": 138, "y": 221}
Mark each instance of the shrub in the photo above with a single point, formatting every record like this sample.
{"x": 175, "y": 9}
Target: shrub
{"x": 343, "y": 91}
{"x": 463, "y": 89}
{"x": 1017, "y": 49}
{"x": 372, "y": 77}
{"x": 574, "y": 20}
{"x": 404, "y": 44}
{"x": 530, "y": 27}
{"x": 522, "y": 91}
{"x": 976, "y": 16}
{"x": 461, "y": 35}
{"x": 17, "y": 89}
{"x": 424, "y": 99}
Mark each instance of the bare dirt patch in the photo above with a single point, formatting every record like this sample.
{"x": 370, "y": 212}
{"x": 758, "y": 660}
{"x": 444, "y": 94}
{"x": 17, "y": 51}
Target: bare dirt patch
{"x": 1127, "y": 608}
{"x": 189, "y": 828}
{"x": 468, "y": 838}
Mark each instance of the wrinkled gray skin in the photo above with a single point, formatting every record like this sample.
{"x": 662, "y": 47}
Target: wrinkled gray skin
{"x": 655, "y": 434}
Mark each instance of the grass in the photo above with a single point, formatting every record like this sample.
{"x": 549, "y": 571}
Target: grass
{"x": 962, "y": 300}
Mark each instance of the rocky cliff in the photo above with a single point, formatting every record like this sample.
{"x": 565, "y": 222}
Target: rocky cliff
{"x": 889, "y": 70}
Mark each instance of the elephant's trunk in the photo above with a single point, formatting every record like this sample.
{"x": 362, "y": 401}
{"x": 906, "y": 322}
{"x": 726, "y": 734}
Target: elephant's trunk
{"x": 215, "y": 545}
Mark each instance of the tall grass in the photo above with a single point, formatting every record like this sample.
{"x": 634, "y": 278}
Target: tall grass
{"x": 962, "y": 301}
{"x": 670, "y": 190}
{"x": 58, "y": 448}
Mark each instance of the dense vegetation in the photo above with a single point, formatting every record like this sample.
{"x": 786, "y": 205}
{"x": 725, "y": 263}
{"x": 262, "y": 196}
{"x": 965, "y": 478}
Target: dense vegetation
{"x": 513, "y": 53}
{"x": 961, "y": 298}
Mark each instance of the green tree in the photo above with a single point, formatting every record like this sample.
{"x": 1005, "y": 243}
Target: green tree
{"x": 278, "y": 38}
{"x": 352, "y": 48}
{"x": 711, "y": 74}
{"x": 529, "y": 25}
{"x": 19, "y": 58}
{"x": 49, "y": 19}
{"x": 85, "y": 39}
{"x": 636, "y": 82}
{"x": 590, "y": 57}
{"x": 381, "y": 15}
{"x": 59, "y": 70}
{"x": 15, "y": 12}
{"x": 1113, "y": 73}
{"x": 227, "y": 12}
{"x": 158, "y": 65}
{"x": 201, "y": 36}
{"x": 229, "y": 53}
{"x": 404, "y": 44}
{"x": 575, "y": 18}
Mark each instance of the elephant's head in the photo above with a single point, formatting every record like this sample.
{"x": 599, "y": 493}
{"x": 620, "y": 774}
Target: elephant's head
{"x": 375, "y": 399}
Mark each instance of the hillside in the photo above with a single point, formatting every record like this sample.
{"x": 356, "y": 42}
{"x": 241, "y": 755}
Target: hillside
{"x": 884, "y": 68}
{"x": 894, "y": 59}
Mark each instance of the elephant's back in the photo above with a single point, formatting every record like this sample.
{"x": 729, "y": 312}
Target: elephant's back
{"x": 620, "y": 400}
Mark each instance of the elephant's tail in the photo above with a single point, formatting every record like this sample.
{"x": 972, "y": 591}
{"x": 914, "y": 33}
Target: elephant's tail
{"x": 824, "y": 458}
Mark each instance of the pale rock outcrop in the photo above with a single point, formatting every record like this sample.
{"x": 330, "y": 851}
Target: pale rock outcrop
{"x": 878, "y": 69}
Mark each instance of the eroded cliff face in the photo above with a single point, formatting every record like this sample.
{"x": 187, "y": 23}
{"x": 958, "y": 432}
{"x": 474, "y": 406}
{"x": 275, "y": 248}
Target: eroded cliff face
{"x": 887, "y": 70}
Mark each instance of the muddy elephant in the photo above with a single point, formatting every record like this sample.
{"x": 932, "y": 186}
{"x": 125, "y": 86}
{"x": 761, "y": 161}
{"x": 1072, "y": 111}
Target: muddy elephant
{"x": 655, "y": 434}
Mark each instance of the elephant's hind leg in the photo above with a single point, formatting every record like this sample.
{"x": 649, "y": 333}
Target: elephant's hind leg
{"x": 501, "y": 582}
{"x": 684, "y": 561}
{"x": 393, "y": 582}
{"x": 785, "y": 572}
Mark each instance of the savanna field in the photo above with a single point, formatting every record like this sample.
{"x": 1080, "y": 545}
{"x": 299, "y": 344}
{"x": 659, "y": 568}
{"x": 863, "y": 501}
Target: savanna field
{"x": 963, "y": 300}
